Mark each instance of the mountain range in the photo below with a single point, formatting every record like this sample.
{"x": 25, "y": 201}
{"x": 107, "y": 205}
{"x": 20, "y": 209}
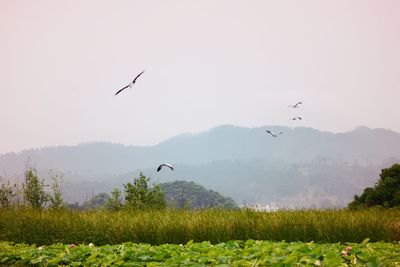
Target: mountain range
{"x": 303, "y": 167}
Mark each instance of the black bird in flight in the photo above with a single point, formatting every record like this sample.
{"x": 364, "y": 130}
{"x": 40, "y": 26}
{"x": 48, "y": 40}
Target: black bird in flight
{"x": 296, "y": 118}
{"x": 273, "y": 134}
{"x": 295, "y": 105}
{"x": 129, "y": 85}
{"x": 165, "y": 164}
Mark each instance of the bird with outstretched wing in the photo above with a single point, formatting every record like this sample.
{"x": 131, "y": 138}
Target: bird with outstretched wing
{"x": 273, "y": 134}
{"x": 296, "y": 105}
{"x": 165, "y": 164}
{"x": 129, "y": 85}
{"x": 296, "y": 118}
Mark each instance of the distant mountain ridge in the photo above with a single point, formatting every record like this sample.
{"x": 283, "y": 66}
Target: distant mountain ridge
{"x": 304, "y": 165}
{"x": 220, "y": 143}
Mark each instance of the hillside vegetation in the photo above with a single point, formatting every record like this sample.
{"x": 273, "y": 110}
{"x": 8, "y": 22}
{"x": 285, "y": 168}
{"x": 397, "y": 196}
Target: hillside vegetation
{"x": 385, "y": 193}
{"x": 304, "y": 167}
{"x": 183, "y": 194}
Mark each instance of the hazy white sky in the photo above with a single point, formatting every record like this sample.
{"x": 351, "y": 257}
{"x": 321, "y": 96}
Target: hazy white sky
{"x": 207, "y": 63}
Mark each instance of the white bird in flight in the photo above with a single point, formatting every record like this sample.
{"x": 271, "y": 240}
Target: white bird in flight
{"x": 129, "y": 85}
{"x": 165, "y": 164}
{"x": 296, "y": 105}
{"x": 273, "y": 134}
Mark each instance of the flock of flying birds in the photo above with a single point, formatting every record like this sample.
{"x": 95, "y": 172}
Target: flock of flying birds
{"x": 130, "y": 85}
{"x": 297, "y": 105}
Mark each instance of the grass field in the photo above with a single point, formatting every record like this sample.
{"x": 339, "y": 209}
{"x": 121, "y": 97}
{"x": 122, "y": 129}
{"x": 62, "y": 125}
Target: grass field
{"x": 180, "y": 226}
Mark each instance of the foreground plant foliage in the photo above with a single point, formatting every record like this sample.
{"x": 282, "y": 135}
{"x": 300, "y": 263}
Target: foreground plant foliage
{"x": 231, "y": 253}
{"x": 180, "y": 226}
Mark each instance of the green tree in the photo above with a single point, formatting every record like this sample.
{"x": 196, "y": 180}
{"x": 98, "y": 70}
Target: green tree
{"x": 33, "y": 190}
{"x": 98, "y": 201}
{"x": 115, "y": 201}
{"x": 140, "y": 195}
{"x": 386, "y": 191}
{"x": 7, "y": 194}
{"x": 56, "y": 200}
{"x": 189, "y": 195}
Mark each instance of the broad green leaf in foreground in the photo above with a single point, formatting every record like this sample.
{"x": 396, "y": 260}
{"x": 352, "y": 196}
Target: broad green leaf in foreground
{"x": 231, "y": 253}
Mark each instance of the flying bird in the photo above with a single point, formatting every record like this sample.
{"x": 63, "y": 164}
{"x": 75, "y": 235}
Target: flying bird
{"x": 273, "y": 134}
{"x": 296, "y": 118}
{"x": 129, "y": 85}
{"x": 295, "y": 105}
{"x": 165, "y": 164}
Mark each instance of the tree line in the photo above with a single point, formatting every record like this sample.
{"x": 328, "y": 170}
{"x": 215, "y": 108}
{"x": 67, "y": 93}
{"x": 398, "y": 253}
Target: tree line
{"x": 140, "y": 194}
{"x": 32, "y": 193}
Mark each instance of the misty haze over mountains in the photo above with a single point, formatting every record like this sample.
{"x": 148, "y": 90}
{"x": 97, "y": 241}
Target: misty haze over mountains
{"x": 304, "y": 167}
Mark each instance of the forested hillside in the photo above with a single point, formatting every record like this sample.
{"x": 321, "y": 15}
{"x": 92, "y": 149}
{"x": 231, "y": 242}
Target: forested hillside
{"x": 303, "y": 167}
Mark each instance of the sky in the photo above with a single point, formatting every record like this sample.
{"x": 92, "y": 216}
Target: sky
{"x": 206, "y": 63}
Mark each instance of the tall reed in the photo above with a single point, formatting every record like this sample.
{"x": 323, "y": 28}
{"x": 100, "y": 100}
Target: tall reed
{"x": 180, "y": 226}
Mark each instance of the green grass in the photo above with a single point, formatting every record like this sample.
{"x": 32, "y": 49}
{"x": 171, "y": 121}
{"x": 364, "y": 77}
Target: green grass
{"x": 231, "y": 253}
{"x": 180, "y": 226}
